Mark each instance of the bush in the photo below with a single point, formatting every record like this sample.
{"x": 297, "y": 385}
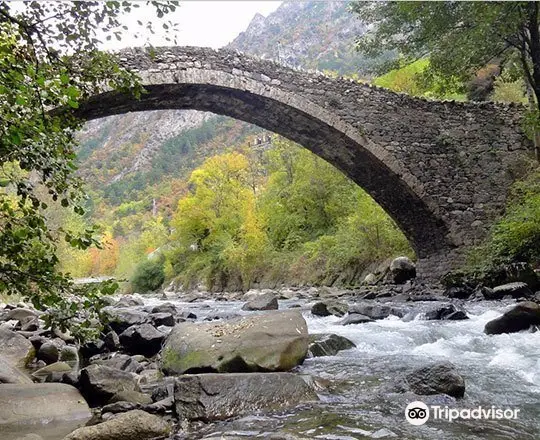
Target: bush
{"x": 148, "y": 276}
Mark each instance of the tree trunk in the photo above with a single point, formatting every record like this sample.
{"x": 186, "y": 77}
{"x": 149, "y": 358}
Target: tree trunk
{"x": 534, "y": 47}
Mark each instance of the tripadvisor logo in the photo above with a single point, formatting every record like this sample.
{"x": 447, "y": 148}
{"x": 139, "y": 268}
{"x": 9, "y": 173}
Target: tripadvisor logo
{"x": 417, "y": 413}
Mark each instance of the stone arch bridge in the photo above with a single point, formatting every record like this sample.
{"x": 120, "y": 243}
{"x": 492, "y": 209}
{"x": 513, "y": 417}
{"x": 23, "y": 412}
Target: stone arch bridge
{"x": 440, "y": 169}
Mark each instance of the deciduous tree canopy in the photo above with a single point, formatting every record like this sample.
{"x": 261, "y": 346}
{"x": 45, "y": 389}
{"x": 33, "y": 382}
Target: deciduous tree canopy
{"x": 49, "y": 59}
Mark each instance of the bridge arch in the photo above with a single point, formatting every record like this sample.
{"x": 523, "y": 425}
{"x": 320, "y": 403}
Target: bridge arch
{"x": 367, "y": 133}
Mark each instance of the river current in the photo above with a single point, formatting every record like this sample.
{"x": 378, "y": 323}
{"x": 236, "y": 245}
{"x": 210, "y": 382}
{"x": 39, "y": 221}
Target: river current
{"x": 357, "y": 401}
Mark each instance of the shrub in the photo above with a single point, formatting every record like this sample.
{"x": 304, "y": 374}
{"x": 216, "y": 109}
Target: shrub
{"x": 148, "y": 276}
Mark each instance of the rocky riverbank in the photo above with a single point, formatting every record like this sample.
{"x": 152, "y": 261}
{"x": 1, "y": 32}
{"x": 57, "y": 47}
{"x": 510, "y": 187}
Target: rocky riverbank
{"x": 185, "y": 364}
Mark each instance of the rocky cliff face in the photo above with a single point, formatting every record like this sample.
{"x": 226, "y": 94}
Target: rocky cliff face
{"x": 133, "y": 139}
{"x": 314, "y": 35}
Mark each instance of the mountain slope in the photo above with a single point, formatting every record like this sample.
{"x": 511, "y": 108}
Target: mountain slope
{"x": 313, "y": 35}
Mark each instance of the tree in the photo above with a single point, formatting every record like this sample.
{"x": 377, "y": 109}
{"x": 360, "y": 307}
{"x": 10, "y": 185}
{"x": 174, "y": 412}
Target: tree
{"x": 459, "y": 37}
{"x": 208, "y": 221}
{"x": 49, "y": 59}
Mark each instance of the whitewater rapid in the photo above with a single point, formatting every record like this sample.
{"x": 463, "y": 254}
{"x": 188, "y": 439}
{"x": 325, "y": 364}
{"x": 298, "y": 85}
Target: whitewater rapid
{"x": 501, "y": 370}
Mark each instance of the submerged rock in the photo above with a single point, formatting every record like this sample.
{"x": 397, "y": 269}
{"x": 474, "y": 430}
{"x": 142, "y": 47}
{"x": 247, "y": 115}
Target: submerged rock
{"x": 328, "y": 345}
{"x": 209, "y": 397}
{"x": 275, "y": 341}
{"x": 132, "y": 425}
{"x": 355, "y": 318}
{"x": 439, "y": 378}
{"x": 521, "y": 317}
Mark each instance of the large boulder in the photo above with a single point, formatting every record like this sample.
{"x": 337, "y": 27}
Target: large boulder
{"x": 165, "y": 308}
{"x": 142, "y": 339}
{"x": 265, "y": 301}
{"x": 132, "y": 425}
{"x": 121, "y": 318}
{"x": 50, "y": 409}
{"x": 462, "y": 291}
{"x": 328, "y": 345}
{"x": 402, "y": 269}
{"x": 70, "y": 355}
{"x": 276, "y": 341}
{"x": 52, "y": 372}
{"x": 131, "y": 397}
{"x": 92, "y": 348}
{"x": 209, "y": 397}
{"x": 439, "y": 378}
{"x": 99, "y": 383}
{"x": 513, "y": 272}
{"x": 521, "y": 317}
{"x": 329, "y": 307}
{"x": 112, "y": 341}
{"x": 15, "y": 352}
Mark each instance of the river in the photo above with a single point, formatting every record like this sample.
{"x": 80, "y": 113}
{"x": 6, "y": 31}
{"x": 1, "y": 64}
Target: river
{"x": 358, "y": 403}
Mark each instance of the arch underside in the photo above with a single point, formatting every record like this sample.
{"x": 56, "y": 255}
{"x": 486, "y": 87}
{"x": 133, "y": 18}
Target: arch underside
{"x": 426, "y": 232}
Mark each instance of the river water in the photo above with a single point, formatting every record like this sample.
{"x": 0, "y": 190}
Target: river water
{"x": 358, "y": 402}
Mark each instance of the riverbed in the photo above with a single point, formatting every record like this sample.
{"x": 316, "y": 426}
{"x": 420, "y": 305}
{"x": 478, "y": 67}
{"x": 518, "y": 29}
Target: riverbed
{"x": 357, "y": 399}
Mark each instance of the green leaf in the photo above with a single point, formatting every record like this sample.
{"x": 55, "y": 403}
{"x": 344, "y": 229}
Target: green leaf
{"x": 72, "y": 92}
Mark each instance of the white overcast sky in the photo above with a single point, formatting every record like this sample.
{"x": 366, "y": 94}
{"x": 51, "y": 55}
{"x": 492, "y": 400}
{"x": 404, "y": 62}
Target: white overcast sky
{"x": 200, "y": 23}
